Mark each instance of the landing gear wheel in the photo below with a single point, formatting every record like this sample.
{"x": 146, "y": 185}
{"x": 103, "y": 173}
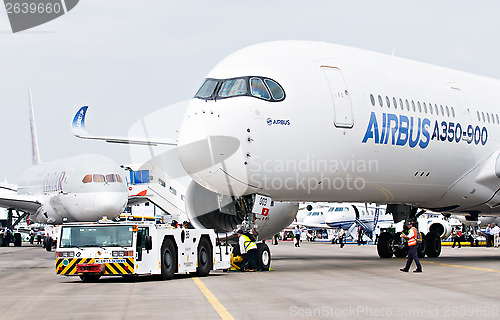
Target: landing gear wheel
{"x": 400, "y": 247}
{"x": 48, "y": 243}
{"x": 433, "y": 244}
{"x": 422, "y": 247}
{"x": 168, "y": 259}
{"x": 384, "y": 245}
{"x": 18, "y": 240}
{"x": 204, "y": 258}
{"x": 90, "y": 277}
{"x": 263, "y": 257}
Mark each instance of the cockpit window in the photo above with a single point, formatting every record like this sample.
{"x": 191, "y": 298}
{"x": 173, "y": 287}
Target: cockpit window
{"x": 112, "y": 177}
{"x": 275, "y": 89}
{"x": 99, "y": 178}
{"x": 258, "y": 89}
{"x": 87, "y": 178}
{"x": 232, "y": 87}
{"x": 207, "y": 89}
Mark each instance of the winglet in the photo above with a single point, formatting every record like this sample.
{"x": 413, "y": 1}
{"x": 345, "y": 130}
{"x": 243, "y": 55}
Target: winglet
{"x": 35, "y": 153}
{"x": 79, "y": 131}
{"x": 78, "y": 124}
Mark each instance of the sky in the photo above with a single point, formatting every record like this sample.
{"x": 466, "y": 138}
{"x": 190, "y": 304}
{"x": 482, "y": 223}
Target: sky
{"x": 126, "y": 59}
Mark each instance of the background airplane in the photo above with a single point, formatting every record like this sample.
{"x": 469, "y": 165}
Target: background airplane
{"x": 87, "y": 187}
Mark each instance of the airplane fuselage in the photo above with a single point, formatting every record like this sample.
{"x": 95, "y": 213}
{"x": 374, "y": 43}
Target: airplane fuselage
{"x": 352, "y": 126}
{"x": 81, "y": 188}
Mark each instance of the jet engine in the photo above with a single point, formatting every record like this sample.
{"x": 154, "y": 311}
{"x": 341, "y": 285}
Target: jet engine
{"x": 440, "y": 226}
{"x": 224, "y": 214}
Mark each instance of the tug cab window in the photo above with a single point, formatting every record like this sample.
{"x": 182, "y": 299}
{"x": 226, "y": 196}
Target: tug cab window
{"x": 257, "y": 87}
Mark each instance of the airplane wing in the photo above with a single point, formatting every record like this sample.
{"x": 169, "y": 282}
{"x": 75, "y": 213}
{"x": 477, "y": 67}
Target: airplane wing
{"x": 7, "y": 187}
{"x": 316, "y": 225}
{"x": 78, "y": 129}
{"x": 26, "y": 203}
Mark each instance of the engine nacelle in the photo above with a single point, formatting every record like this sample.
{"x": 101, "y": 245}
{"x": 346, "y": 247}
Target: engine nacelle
{"x": 441, "y": 227}
{"x": 203, "y": 207}
{"x": 47, "y": 215}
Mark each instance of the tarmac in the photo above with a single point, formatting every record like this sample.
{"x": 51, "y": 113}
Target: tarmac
{"x": 314, "y": 281}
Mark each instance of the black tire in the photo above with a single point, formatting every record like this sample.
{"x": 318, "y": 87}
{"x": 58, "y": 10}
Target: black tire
{"x": 422, "y": 248}
{"x": 18, "y": 240}
{"x": 205, "y": 259}
{"x": 401, "y": 249}
{"x": 168, "y": 259}
{"x": 263, "y": 257}
{"x": 48, "y": 243}
{"x": 433, "y": 245}
{"x": 384, "y": 245}
{"x": 90, "y": 277}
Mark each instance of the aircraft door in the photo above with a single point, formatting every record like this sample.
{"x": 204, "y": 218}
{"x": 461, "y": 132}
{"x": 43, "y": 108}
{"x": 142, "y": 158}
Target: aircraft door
{"x": 463, "y": 110}
{"x": 340, "y": 97}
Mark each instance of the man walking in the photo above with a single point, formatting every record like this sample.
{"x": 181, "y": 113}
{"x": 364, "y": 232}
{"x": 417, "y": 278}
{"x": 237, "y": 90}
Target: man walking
{"x": 297, "y": 236}
{"x": 412, "y": 248}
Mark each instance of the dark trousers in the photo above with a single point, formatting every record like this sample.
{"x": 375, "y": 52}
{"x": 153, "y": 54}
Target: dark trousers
{"x": 412, "y": 256}
{"x": 250, "y": 259}
{"x": 489, "y": 240}
{"x": 297, "y": 236}
{"x": 341, "y": 241}
{"x": 456, "y": 240}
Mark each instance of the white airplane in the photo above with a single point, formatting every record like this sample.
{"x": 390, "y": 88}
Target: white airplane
{"x": 204, "y": 208}
{"x": 319, "y": 122}
{"x": 81, "y": 188}
{"x": 370, "y": 127}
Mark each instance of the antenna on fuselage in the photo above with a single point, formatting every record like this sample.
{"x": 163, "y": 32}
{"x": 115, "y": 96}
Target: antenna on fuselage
{"x": 35, "y": 153}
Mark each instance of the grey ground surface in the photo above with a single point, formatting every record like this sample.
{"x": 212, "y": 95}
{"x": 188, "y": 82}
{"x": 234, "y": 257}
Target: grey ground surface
{"x": 317, "y": 280}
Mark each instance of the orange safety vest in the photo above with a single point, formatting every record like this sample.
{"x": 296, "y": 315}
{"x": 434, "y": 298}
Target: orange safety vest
{"x": 413, "y": 240}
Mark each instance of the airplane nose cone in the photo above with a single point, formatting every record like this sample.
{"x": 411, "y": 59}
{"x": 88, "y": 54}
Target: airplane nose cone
{"x": 210, "y": 150}
{"x": 110, "y": 204}
{"x": 210, "y": 153}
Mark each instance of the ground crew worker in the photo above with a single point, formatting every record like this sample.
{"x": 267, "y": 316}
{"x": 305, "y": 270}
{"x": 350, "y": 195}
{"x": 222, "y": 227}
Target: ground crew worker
{"x": 412, "y": 248}
{"x": 174, "y": 224}
{"x": 248, "y": 249}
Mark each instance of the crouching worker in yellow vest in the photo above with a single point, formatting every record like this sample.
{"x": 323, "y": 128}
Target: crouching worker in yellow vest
{"x": 412, "y": 248}
{"x": 248, "y": 248}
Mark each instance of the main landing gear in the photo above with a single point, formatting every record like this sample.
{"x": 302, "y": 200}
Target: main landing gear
{"x": 391, "y": 244}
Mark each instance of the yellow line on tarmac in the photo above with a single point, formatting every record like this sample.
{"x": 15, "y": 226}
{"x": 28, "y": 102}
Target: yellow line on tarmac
{"x": 459, "y": 266}
{"x": 455, "y": 266}
{"x": 223, "y": 313}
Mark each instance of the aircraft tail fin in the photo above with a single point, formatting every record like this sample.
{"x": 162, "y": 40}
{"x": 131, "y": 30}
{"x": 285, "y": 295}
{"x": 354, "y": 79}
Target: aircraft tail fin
{"x": 34, "y": 139}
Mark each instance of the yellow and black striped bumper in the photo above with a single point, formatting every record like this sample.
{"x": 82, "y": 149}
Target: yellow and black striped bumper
{"x": 67, "y": 266}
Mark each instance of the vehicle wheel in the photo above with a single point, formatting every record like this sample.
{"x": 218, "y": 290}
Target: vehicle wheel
{"x": 18, "y": 240}
{"x": 168, "y": 259}
{"x": 90, "y": 277}
{"x": 384, "y": 245}
{"x": 48, "y": 243}
{"x": 204, "y": 258}
{"x": 433, "y": 245}
{"x": 422, "y": 248}
{"x": 263, "y": 257}
{"x": 399, "y": 246}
